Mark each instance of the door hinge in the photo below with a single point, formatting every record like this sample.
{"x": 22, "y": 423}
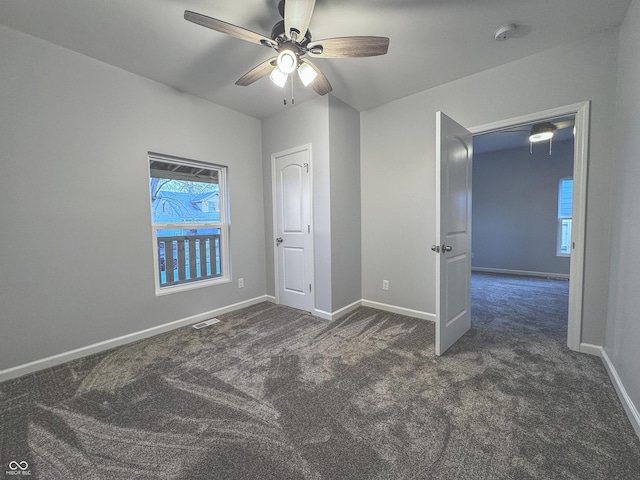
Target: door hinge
{"x": 309, "y": 288}
{"x": 306, "y": 166}
{"x": 308, "y": 228}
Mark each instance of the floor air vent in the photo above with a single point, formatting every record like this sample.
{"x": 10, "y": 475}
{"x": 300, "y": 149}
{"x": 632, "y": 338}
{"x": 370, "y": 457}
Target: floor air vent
{"x": 206, "y": 323}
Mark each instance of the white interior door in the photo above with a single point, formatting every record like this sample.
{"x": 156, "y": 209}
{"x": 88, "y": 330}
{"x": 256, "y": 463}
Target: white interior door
{"x": 454, "y": 155}
{"x": 292, "y": 227}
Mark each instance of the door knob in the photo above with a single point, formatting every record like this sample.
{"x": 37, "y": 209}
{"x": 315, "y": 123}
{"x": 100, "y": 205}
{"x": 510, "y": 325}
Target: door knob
{"x": 435, "y": 248}
{"x": 446, "y": 248}
{"x": 279, "y": 240}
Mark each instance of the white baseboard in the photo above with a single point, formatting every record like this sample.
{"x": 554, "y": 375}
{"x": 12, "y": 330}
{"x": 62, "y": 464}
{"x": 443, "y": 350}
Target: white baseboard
{"x": 627, "y": 403}
{"x": 322, "y": 314}
{"x": 338, "y": 313}
{"x": 591, "y": 349}
{"x": 561, "y": 276}
{"x": 346, "y": 309}
{"x": 270, "y": 298}
{"x": 368, "y": 303}
{"x": 60, "y": 358}
{"x": 400, "y": 310}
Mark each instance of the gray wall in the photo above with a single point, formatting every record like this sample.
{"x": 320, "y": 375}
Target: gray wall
{"x": 623, "y": 319}
{"x": 76, "y": 249}
{"x": 398, "y": 167}
{"x": 346, "y": 268}
{"x": 515, "y": 208}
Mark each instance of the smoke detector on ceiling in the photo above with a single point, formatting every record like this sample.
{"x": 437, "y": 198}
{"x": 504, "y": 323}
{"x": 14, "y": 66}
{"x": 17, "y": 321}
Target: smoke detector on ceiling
{"x": 505, "y": 31}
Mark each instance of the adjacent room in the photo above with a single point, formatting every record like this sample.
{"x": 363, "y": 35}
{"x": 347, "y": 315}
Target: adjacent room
{"x": 522, "y": 217}
{"x": 238, "y": 239}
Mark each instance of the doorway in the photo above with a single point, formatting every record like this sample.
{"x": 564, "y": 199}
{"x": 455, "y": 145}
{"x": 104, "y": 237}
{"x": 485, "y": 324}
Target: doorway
{"x": 580, "y": 113}
{"x": 292, "y": 203}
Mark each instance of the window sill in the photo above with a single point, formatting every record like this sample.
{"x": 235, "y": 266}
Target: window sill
{"x": 160, "y": 291}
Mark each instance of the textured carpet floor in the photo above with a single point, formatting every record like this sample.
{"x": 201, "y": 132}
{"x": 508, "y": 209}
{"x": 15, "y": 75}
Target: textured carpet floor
{"x": 273, "y": 393}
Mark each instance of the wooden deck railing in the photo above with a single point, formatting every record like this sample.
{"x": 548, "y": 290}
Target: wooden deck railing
{"x": 189, "y": 258}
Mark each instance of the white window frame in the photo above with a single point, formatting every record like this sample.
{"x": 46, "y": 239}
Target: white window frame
{"x": 223, "y": 225}
{"x": 561, "y": 219}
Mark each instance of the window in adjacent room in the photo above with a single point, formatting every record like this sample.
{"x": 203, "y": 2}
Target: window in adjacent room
{"x": 565, "y": 214}
{"x": 190, "y": 224}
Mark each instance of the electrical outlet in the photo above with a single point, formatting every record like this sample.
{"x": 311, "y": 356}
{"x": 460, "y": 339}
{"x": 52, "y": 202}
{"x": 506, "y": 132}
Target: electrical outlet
{"x": 241, "y": 283}
{"x": 385, "y": 284}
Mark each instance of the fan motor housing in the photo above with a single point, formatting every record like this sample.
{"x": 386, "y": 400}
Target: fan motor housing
{"x": 277, "y": 32}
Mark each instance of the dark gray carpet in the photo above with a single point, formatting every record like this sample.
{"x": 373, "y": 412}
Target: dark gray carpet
{"x": 272, "y": 393}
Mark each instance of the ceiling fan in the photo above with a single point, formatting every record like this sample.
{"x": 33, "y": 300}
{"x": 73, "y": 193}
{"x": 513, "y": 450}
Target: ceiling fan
{"x": 542, "y": 131}
{"x": 291, "y": 39}
{"x": 542, "y": 127}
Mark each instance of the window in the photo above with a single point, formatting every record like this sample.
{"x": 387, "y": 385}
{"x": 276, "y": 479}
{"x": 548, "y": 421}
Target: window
{"x": 565, "y": 214}
{"x": 189, "y": 220}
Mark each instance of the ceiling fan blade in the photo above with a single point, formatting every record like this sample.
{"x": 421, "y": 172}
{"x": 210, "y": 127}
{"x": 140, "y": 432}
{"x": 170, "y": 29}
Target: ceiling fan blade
{"x": 345, "y": 47}
{"x": 321, "y": 84}
{"x": 228, "y": 29}
{"x": 297, "y": 15}
{"x": 256, "y": 73}
{"x": 564, "y": 124}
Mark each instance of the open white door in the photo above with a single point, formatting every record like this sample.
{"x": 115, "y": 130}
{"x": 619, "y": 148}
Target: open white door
{"x": 454, "y": 154}
{"x": 292, "y": 227}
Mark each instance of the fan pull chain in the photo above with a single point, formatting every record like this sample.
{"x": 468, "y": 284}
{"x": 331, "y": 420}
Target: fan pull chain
{"x": 284, "y": 91}
{"x": 531, "y": 146}
{"x": 293, "y": 100}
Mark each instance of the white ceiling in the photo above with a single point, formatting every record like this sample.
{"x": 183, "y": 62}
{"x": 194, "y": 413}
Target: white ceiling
{"x": 431, "y": 41}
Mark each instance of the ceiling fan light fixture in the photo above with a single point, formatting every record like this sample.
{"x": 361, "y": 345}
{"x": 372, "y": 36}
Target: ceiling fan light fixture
{"x": 307, "y": 74}
{"x": 279, "y": 77}
{"x": 541, "y": 132}
{"x": 287, "y": 61}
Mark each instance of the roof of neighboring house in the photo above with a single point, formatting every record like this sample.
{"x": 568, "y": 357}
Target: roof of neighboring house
{"x": 179, "y": 207}
{"x": 202, "y": 196}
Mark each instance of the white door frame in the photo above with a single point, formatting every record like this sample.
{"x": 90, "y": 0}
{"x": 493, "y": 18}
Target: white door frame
{"x": 580, "y": 164}
{"x": 274, "y": 156}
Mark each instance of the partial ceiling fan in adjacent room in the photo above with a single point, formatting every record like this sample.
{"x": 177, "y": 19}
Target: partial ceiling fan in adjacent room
{"x": 291, "y": 39}
{"x": 542, "y": 131}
